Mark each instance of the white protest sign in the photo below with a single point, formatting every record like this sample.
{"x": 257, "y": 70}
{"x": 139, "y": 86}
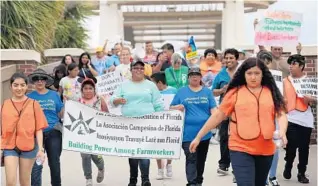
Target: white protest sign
{"x": 278, "y": 28}
{"x": 305, "y": 86}
{"x": 158, "y": 135}
{"x": 106, "y": 85}
{"x": 167, "y": 99}
{"x": 278, "y": 77}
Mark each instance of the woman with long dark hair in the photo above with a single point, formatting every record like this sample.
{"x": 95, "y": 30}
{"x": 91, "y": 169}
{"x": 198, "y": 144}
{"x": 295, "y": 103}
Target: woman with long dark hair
{"x": 253, "y": 102}
{"x": 86, "y": 68}
{"x": 67, "y": 60}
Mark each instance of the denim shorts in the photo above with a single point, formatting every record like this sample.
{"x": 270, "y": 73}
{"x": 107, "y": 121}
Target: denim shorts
{"x": 26, "y": 155}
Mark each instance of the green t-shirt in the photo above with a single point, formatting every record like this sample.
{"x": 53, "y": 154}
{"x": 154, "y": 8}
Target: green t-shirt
{"x": 177, "y": 78}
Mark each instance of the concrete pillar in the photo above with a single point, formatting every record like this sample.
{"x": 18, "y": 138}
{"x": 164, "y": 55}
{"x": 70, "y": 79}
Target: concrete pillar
{"x": 239, "y": 23}
{"x": 129, "y": 34}
{"x": 218, "y": 37}
{"x": 111, "y": 22}
{"x": 233, "y": 24}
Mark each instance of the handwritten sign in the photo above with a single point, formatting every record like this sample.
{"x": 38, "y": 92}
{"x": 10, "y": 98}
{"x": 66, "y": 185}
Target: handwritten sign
{"x": 158, "y": 135}
{"x": 106, "y": 85}
{"x": 278, "y": 77}
{"x": 278, "y": 28}
{"x": 305, "y": 86}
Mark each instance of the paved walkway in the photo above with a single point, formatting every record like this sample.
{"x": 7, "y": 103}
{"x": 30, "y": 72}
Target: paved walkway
{"x": 117, "y": 171}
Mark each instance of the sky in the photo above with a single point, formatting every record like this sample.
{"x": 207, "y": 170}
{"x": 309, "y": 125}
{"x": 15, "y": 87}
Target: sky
{"x": 308, "y": 34}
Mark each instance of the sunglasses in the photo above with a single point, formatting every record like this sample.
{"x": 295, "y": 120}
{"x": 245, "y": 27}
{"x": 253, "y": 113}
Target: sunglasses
{"x": 39, "y": 78}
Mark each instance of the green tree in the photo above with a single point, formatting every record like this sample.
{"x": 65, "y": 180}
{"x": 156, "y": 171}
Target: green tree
{"x": 29, "y": 24}
{"x": 70, "y": 32}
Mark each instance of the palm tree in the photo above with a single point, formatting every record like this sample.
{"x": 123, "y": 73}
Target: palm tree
{"x": 29, "y": 24}
{"x": 70, "y": 32}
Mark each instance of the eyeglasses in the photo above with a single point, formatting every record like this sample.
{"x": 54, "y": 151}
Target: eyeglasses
{"x": 138, "y": 68}
{"x": 178, "y": 62}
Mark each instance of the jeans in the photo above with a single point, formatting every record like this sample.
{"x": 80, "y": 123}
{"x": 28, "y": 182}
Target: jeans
{"x": 144, "y": 165}
{"x": 52, "y": 141}
{"x": 250, "y": 170}
{"x": 225, "y": 161}
{"x": 298, "y": 137}
{"x": 272, "y": 171}
{"x": 87, "y": 164}
{"x": 195, "y": 162}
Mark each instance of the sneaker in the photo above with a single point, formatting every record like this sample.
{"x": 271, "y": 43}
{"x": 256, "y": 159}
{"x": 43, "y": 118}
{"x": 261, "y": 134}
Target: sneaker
{"x": 302, "y": 178}
{"x": 160, "y": 175}
{"x": 100, "y": 176}
{"x": 273, "y": 181}
{"x": 222, "y": 171}
{"x": 287, "y": 174}
{"x": 89, "y": 182}
{"x": 169, "y": 170}
{"x": 132, "y": 184}
{"x": 146, "y": 183}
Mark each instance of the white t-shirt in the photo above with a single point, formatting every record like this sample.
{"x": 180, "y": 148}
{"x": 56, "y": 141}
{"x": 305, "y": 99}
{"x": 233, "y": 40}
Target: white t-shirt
{"x": 124, "y": 70}
{"x": 305, "y": 119}
{"x": 71, "y": 88}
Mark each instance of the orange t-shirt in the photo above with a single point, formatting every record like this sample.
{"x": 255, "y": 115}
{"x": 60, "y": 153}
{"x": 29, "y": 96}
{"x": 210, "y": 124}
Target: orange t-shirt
{"x": 258, "y": 146}
{"x": 21, "y": 134}
{"x": 214, "y": 68}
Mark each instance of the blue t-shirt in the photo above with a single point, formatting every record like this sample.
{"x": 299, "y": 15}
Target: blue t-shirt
{"x": 169, "y": 90}
{"x": 51, "y": 104}
{"x": 100, "y": 65}
{"x": 198, "y": 107}
{"x": 112, "y": 61}
{"x": 221, "y": 80}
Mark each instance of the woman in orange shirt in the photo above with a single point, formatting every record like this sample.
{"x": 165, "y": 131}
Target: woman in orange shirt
{"x": 252, "y": 101}
{"x": 22, "y": 122}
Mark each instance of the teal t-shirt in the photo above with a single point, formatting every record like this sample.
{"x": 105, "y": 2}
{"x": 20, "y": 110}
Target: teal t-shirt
{"x": 142, "y": 98}
{"x": 177, "y": 78}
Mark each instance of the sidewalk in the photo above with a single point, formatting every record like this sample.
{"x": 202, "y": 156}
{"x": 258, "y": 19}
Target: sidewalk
{"x": 117, "y": 171}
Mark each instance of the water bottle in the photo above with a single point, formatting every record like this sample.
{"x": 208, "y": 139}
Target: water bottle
{"x": 277, "y": 140}
{"x": 38, "y": 161}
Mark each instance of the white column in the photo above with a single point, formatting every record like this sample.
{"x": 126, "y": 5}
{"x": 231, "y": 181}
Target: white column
{"x": 111, "y": 24}
{"x": 239, "y": 23}
{"x": 233, "y": 24}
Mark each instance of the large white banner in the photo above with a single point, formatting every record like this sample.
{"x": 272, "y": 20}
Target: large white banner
{"x": 87, "y": 130}
{"x": 305, "y": 86}
{"x": 106, "y": 85}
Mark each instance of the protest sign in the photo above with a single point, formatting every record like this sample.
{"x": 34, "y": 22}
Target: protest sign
{"x": 191, "y": 51}
{"x": 106, "y": 85}
{"x": 167, "y": 99}
{"x": 305, "y": 86}
{"x": 278, "y": 28}
{"x": 278, "y": 77}
{"x": 158, "y": 135}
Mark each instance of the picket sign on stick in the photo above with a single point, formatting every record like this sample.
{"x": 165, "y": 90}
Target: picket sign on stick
{"x": 158, "y": 135}
{"x": 305, "y": 86}
{"x": 278, "y": 28}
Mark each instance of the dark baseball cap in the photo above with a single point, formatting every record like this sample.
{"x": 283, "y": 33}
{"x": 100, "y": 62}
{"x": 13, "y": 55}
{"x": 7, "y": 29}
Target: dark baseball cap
{"x": 134, "y": 63}
{"x": 194, "y": 71}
